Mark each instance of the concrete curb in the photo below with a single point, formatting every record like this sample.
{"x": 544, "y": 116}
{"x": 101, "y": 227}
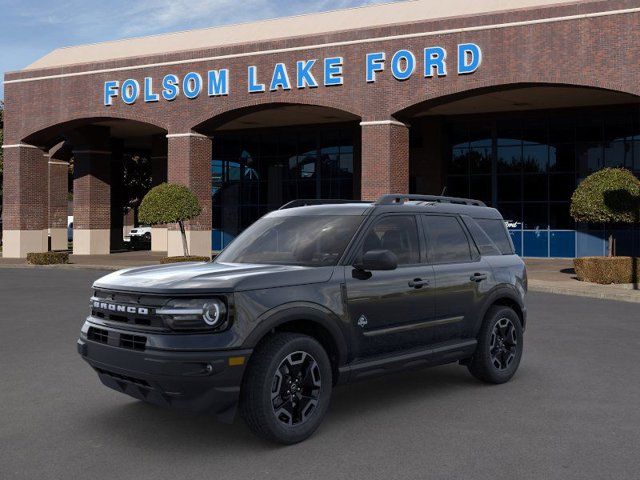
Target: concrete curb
{"x": 603, "y": 292}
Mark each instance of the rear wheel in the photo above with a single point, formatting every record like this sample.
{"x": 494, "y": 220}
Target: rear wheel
{"x": 287, "y": 388}
{"x": 499, "y": 349}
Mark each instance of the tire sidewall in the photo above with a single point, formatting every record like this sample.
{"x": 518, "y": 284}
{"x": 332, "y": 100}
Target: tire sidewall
{"x": 296, "y": 433}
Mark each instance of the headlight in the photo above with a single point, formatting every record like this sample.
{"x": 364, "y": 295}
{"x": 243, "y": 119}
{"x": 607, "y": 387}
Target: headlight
{"x": 194, "y": 314}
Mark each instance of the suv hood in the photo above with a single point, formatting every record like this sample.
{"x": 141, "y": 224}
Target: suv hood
{"x": 206, "y": 277}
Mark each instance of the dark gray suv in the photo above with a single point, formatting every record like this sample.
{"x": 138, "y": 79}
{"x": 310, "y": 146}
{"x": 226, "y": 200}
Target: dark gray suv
{"x": 312, "y": 295}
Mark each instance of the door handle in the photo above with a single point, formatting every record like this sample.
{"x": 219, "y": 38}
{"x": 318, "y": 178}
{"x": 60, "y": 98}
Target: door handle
{"x": 418, "y": 283}
{"x": 478, "y": 277}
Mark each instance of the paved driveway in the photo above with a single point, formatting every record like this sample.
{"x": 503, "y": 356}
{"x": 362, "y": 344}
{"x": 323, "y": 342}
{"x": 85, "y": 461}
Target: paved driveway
{"x": 572, "y": 411}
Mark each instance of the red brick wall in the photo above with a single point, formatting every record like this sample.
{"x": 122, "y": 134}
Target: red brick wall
{"x": 190, "y": 165}
{"x": 385, "y": 160}
{"x": 25, "y": 189}
{"x": 58, "y": 187}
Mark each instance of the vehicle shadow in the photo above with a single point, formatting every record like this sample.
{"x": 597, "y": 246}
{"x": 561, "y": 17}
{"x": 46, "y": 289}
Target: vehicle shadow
{"x": 136, "y": 422}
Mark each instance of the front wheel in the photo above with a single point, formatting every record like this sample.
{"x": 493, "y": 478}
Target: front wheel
{"x": 499, "y": 349}
{"x": 287, "y": 388}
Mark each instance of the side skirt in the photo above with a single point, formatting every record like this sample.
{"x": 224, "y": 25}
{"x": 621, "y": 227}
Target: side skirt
{"x": 438, "y": 354}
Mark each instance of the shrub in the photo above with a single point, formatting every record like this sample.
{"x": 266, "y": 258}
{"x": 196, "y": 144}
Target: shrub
{"x": 192, "y": 258}
{"x": 170, "y": 203}
{"x": 611, "y": 195}
{"x": 47, "y": 258}
{"x": 606, "y": 270}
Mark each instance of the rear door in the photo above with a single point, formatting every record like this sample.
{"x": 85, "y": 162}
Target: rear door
{"x": 462, "y": 277}
{"x": 389, "y": 309}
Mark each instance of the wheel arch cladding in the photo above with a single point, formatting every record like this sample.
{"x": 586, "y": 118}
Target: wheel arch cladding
{"x": 313, "y": 322}
{"x": 508, "y": 301}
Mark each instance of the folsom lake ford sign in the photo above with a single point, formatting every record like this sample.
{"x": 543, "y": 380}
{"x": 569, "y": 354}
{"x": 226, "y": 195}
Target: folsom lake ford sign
{"x": 310, "y": 73}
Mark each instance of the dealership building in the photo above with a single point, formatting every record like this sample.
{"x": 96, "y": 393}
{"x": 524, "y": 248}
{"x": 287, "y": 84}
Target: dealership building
{"x": 512, "y": 102}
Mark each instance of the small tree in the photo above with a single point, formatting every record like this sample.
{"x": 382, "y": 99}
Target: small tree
{"x": 170, "y": 203}
{"x": 611, "y": 195}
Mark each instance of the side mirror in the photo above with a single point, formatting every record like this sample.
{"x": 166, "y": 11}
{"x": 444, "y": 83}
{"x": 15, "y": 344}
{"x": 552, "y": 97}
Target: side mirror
{"x": 378, "y": 260}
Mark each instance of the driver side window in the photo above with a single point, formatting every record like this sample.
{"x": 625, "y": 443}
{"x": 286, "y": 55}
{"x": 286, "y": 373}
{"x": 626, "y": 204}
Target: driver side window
{"x": 396, "y": 233}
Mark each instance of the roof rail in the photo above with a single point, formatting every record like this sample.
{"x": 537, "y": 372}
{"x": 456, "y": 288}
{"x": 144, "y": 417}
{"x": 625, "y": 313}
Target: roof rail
{"x": 317, "y": 201}
{"x": 394, "y": 198}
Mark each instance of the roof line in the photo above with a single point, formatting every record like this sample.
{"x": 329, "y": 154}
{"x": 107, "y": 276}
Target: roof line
{"x": 333, "y": 44}
{"x": 230, "y": 25}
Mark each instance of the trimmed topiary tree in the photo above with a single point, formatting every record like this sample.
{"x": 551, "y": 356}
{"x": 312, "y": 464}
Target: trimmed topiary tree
{"x": 611, "y": 195}
{"x": 170, "y": 203}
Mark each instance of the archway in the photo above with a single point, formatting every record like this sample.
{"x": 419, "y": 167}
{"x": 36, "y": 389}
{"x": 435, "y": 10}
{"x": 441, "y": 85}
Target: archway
{"x": 266, "y": 155}
{"x": 523, "y": 149}
{"x": 113, "y": 162}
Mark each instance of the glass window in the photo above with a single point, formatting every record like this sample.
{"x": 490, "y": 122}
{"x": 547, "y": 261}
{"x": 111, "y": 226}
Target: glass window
{"x": 497, "y": 232}
{"x": 510, "y": 159}
{"x": 447, "y": 241}
{"x": 535, "y": 187}
{"x": 312, "y": 241}
{"x": 481, "y": 187}
{"x": 535, "y": 216}
{"x": 559, "y": 216}
{"x": 480, "y": 237}
{"x": 509, "y": 188}
{"x": 396, "y": 233}
{"x": 535, "y": 158}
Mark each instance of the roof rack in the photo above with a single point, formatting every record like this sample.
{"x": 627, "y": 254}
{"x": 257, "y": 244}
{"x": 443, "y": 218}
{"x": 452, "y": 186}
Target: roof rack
{"x": 394, "y": 198}
{"x": 317, "y": 201}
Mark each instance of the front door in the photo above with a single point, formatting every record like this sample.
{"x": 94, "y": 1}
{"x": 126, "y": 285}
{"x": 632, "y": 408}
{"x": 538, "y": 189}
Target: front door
{"x": 389, "y": 309}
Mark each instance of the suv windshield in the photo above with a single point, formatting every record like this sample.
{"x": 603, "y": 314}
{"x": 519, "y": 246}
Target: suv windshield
{"x": 314, "y": 241}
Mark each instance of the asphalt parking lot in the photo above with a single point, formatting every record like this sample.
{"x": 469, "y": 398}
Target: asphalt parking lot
{"x": 570, "y": 412}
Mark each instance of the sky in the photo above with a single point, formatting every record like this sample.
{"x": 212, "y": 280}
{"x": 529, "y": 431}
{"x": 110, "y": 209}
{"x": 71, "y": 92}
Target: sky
{"x": 30, "y": 29}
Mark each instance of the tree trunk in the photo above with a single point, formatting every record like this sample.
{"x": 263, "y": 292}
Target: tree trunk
{"x": 610, "y": 245}
{"x": 185, "y": 247}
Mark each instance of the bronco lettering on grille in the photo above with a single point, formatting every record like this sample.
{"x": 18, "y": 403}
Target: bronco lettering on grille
{"x": 112, "y": 307}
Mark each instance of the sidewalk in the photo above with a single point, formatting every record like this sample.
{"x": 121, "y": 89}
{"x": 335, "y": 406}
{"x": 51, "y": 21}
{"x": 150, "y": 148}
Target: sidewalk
{"x": 557, "y": 276}
{"x": 115, "y": 261}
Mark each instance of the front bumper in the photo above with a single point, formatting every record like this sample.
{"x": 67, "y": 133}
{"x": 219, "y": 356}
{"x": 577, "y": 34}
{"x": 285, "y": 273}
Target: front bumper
{"x": 200, "y": 381}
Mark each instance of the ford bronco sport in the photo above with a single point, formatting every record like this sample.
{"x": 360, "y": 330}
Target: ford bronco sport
{"x": 314, "y": 294}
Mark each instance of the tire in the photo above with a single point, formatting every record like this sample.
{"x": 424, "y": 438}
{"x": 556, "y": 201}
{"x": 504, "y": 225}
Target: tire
{"x": 296, "y": 408}
{"x": 499, "y": 349}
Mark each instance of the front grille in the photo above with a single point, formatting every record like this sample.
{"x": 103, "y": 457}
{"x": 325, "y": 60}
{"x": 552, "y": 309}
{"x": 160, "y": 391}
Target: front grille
{"x": 128, "y": 309}
{"x": 98, "y": 335}
{"x": 134, "y": 342}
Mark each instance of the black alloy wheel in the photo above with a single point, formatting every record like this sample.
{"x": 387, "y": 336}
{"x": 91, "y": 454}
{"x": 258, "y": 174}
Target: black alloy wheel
{"x": 296, "y": 388}
{"x": 504, "y": 344}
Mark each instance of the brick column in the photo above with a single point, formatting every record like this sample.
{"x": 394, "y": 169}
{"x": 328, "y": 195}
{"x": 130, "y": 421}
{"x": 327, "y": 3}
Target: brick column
{"x": 385, "y": 158}
{"x": 25, "y": 211}
{"x": 189, "y": 163}
{"x": 91, "y": 191}
{"x": 158, "y": 175}
{"x": 58, "y": 190}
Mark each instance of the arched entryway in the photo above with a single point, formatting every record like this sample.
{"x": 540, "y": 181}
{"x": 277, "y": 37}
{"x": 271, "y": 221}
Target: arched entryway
{"x": 267, "y": 155}
{"x": 113, "y": 162}
{"x": 523, "y": 149}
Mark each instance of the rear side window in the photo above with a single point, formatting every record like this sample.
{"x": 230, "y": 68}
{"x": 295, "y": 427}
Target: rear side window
{"x": 447, "y": 241}
{"x": 483, "y": 242}
{"x": 497, "y": 232}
